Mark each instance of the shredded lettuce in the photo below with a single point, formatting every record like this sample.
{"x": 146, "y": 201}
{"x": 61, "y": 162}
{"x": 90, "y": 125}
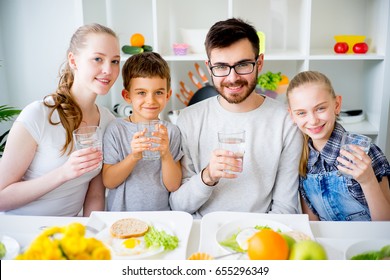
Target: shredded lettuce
{"x": 373, "y": 255}
{"x": 232, "y": 244}
{"x": 155, "y": 238}
{"x": 262, "y": 227}
{"x": 383, "y": 253}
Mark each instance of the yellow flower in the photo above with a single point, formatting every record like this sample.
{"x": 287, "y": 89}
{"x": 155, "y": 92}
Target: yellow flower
{"x": 73, "y": 245}
{"x": 101, "y": 253}
{"x": 51, "y": 231}
{"x": 75, "y": 229}
{"x": 69, "y": 242}
{"x": 82, "y": 256}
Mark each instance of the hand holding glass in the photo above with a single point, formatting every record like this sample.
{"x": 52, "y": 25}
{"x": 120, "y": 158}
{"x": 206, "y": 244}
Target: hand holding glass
{"x": 354, "y": 139}
{"x": 151, "y": 126}
{"x": 233, "y": 141}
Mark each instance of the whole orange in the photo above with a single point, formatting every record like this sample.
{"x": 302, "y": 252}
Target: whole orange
{"x": 284, "y": 80}
{"x": 137, "y": 40}
{"x": 267, "y": 245}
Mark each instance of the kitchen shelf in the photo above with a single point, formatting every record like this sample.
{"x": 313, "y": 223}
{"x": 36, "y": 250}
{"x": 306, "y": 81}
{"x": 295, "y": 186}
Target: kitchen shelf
{"x": 299, "y": 36}
{"x": 363, "y": 127}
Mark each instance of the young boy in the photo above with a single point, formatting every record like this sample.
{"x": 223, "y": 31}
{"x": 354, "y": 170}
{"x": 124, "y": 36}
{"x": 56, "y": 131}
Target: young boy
{"x": 136, "y": 184}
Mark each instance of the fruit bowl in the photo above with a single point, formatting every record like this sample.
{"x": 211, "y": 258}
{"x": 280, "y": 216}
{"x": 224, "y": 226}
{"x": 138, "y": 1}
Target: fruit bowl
{"x": 351, "y": 40}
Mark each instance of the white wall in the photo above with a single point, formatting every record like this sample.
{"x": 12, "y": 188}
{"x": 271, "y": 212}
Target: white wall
{"x": 34, "y": 36}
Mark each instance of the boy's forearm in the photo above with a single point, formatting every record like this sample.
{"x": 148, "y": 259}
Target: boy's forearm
{"x": 116, "y": 174}
{"x": 171, "y": 173}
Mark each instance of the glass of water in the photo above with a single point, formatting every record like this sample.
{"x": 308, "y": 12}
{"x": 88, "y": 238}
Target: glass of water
{"x": 233, "y": 141}
{"x": 151, "y": 126}
{"x": 87, "y": 136}
{"x": 354, "y": 139}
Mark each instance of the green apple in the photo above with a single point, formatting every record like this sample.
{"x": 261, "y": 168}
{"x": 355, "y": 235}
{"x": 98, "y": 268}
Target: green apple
{"x": 308, "y": 250}
{"x": 3, "y": 250}
{"x": 290, "y": 241}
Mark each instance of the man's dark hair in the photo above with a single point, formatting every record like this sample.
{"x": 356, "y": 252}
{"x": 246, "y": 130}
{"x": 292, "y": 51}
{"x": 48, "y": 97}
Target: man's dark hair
{"x": 225, "y": 33}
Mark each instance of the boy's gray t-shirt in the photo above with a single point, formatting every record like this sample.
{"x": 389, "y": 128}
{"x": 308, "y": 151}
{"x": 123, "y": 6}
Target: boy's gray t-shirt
{"x": 144, "y": 189}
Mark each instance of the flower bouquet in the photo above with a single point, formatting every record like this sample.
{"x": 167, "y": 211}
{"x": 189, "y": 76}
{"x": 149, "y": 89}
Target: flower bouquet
{"x": 65, "y": 243}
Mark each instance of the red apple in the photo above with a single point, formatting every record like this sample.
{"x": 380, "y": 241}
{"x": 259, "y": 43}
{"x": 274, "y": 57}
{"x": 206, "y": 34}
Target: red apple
{"x": 341, "y": 47}
{"x": 360, "y": 48}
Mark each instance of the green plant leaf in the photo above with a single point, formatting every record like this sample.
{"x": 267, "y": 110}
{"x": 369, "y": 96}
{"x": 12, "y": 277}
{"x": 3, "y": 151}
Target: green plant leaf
{"x": 7, "y": 112}
{"x": 2, "y": 142}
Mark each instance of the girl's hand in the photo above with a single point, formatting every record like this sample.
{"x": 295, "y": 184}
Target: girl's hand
{"x": 162, "y": 140}
{"x": 81, "y": 162}
{"x": 360, "y": 168}
{"x": 139, "y": 143}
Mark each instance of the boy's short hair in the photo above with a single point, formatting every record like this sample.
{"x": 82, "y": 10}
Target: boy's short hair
{"x": 145, "y": 65}
{"x": 227, "y": 32}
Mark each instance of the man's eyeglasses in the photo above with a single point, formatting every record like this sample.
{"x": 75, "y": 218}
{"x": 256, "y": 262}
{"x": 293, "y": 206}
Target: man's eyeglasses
{"x": 242, "y": 68}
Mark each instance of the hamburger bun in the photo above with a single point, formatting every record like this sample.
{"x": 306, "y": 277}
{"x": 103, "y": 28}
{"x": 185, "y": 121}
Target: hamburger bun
{"x": 128, "y": 227}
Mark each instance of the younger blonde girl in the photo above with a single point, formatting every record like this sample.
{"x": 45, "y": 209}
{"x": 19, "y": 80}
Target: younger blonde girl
{"x": 325, "y": 193}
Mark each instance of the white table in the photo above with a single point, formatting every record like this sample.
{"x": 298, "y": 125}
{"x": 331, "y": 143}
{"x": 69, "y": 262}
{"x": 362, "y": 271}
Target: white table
{"x": 335, "y": 236}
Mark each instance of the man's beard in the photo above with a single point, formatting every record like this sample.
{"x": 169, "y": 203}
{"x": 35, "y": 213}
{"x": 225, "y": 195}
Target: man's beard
{"x": 237, "y": 98}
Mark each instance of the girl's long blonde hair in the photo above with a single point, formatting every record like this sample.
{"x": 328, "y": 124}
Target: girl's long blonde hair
{"x": 308, "y": 77}
{"x": 68, "y": 110}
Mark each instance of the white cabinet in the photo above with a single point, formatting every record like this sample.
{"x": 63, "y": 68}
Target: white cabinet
{"x": 299, "y": 36}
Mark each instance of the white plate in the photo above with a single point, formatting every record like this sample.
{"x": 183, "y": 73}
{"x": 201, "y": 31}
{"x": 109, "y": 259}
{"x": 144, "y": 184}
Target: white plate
{"x": 118, "y": 251}
{"x": 228, "y": 229}
{"x": 365, "y": 246}
{"x": 211, "y": 223}
{"x": 12, "y": 247}
{"x": 173, "y": 222}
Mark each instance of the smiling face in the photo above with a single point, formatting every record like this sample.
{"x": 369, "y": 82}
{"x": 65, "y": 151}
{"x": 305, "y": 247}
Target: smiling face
{"x": 96, "y": 64}
{"x": 314, "y": 110}
{"x": 148, "y": 97}
{"x": 235, "y": 88}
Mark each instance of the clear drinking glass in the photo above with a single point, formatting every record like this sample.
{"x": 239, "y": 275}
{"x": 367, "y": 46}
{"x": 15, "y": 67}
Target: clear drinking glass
{"x": 87, "y": 136}
{"x": 233, "y": 141}
{"x": 354, "y": 139}
{"x": 151, "y": 126}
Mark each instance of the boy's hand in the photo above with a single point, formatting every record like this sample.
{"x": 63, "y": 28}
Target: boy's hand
{"x": 139, "y": 144}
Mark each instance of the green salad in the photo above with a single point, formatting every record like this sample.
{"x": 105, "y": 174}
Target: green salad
{"x": 381, "y": 254}
{"x": 231, "y": 241}
{"x": 156, "y": 238}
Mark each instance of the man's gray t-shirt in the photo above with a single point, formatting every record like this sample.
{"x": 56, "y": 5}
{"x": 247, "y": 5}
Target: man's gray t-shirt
{"x": 144, "y": 189}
